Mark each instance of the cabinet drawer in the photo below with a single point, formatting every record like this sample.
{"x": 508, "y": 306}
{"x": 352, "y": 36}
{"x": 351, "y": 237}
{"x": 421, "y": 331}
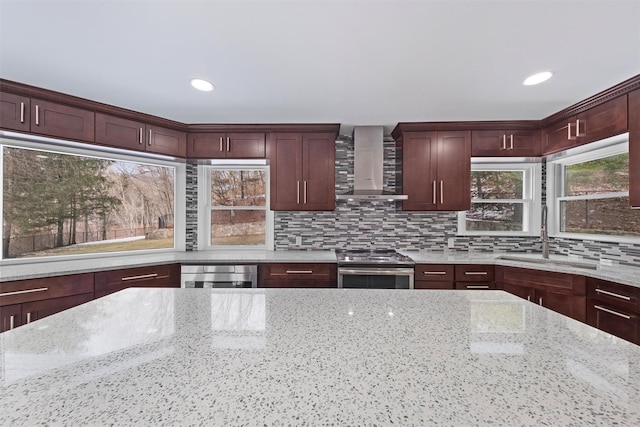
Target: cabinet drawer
{"x": 427, "y": 284}
{"x": 160, "y": 276}
{"x": 297, "y": 272}
{"x": 546, "y": 280}
{"x": 474, "y": 273}
{"x": 618, "y": 322}
{"x": 475, "y": 285}
{"x": 434, "y": 272}
{"x": 614, "y": 294}
{"x": 48, "y": 287}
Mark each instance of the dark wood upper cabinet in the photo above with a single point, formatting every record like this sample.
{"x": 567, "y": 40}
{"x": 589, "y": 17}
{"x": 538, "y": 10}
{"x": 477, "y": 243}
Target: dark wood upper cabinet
{"x": 217, "y": 145}
{"x": 436, "y": 170}
{"x": 634, "y": 148}
{"x": 15, "y": 112}
{"x": 505, "y": 143}
{"x": 52, "y": 119}
{"x": 118, "y": 132}
{"x": 605, "y": 120}
{"x": 302, "y": 171}
{"x": 166, "y": 141}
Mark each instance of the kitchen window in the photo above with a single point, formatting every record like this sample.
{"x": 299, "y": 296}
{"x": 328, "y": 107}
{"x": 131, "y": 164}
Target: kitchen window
{"x": 588, "y": 191}
{"x": 235, "y": 200}
{"x": 67, "y": 200}
{"x": 504, "y": 199}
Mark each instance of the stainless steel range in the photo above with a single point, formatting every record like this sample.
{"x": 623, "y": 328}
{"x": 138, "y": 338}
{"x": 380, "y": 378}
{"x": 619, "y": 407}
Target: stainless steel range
{"x": 374, "y": 269}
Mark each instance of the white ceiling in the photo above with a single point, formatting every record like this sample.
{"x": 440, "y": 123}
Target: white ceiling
{"x": 333, "y": 61}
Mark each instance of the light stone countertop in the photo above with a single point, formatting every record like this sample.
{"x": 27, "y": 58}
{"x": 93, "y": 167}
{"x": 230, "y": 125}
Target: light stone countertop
{"x": 254, "y": 357}
{"x": 21, "y": 270}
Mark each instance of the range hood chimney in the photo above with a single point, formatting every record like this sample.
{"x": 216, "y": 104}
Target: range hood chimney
{"x": 368, "y": 166}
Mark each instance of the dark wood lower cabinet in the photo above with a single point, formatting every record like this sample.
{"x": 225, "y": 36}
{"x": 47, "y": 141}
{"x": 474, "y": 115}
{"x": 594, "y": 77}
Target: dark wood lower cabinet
{"x": 10, "y": 317}
{"x": 157, "y": 276}
{"x": 570, "y": 305}
{"x": 296, "y": 275}
{"x": 614, "y": 308}
{"x": 35, "y": 310}
{"x": 428, "y": 284}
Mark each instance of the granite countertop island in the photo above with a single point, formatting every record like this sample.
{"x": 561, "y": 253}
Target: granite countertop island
{"x": 315, "y": 357}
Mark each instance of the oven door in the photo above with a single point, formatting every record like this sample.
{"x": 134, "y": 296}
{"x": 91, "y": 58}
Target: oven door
{"x": 375, "y": 277}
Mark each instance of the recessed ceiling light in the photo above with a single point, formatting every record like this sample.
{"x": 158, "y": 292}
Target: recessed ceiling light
{"x": 537, "y": 78}
{"x": 202, "y": 85}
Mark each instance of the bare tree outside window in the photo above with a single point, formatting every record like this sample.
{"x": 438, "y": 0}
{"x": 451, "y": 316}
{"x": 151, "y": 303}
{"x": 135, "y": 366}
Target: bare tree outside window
{"x": 65, "y": 204}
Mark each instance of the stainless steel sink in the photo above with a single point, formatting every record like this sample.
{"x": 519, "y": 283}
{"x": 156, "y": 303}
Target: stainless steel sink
{"x": 545, "y": 261}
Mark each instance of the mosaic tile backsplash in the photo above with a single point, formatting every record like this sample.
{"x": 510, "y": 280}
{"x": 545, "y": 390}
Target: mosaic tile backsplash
{"x": 379, "y": 225}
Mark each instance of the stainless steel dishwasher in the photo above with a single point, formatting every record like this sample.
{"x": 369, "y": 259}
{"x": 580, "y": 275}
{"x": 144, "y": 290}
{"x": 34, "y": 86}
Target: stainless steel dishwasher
{"x": 219, "y": 276}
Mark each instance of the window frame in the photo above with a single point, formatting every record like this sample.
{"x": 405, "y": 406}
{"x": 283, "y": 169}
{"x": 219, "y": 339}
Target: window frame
{"x": 531, "y": 197}
{"x": 205, "y": 206}
{"x": 555, "y": 185}
{"x": 53, "y": 145}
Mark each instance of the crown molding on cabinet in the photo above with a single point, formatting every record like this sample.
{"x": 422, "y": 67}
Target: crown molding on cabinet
{"x": 264, "y": 127}
{"x": 478, "y": 125}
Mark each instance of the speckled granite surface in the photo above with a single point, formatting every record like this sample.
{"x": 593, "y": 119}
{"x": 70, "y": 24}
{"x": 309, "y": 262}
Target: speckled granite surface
{"x": 315, "y": 357}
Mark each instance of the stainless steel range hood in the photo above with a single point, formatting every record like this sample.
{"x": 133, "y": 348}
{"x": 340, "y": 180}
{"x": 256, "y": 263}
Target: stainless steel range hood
{"x": 368, "y": 166}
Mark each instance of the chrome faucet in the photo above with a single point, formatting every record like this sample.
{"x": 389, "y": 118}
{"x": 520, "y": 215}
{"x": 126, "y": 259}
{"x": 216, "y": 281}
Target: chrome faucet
{"x": 544, "y": 233}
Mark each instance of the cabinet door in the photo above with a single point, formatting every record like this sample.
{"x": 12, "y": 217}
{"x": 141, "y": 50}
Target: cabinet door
{"x": 166, "y": 141}
{"x": 556, "y": 137}
{"x": 49, "y": 118}
{"x": 318, "y": 172}
{"x": 418, "y": 171}
{"x": 634, "y": 148}
{"x": 435, "y": 273}
{"x": 245, "y": 145}
{"x": 14, "y": 112}
{"x": 32, "y": 311}
{"x": 603, "y": 121}
{"x": 524, "y": 292}
{"x": 23, "y": 291}
{"x": 474, "y": 273}
{"x": 206, "y": 146}
{"x": 505, "y": 143}
{"x": 454, "y": 171}
{"x": 10, "y": 317}
{"x": 294, "y": 275}
{"x": 286, "y": 171}
{"x": 570, "y": 305}
{"x": 157, "y": 276}
{"x": 121, "y": 133}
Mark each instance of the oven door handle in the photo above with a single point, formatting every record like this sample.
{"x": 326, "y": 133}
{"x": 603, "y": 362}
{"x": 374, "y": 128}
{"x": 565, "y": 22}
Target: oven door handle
{"x": 376, "y": 271}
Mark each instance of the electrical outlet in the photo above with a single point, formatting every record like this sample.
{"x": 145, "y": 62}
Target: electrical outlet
{"x": 451, "y": 242}
{"x": 298, "y": 240}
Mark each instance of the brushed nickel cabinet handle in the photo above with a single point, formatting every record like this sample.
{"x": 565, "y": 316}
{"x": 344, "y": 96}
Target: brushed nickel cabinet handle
{"x": 26, "y": 291}
{"x": 434, "y": 192}
{"x": 142, "y": 276}
{"x": 578, "y": 133}
{"x": 28, "y": 318}
{"x": 298, "y": 192}
{"x": 441, "y": 192}
{"x": 540, "y": 301}
{"x": 511, "y": 142}
{"x": 477, "y": 286}
{"x": 434, "y": 273}
{"x": 221, "y": 138}
{"x": 140, "y": 137}
{"x": 227, "y": 143}
{"x": 22, "y": 112}
{"x": 299, "y": 271}
{"x": 305, "y": 192}
{"x": 12, "y": 321}
{"x": 476, "y": 273}
{"x": 528, "y": 297}
{"x": 569, "y": 137}
{"x": 150, "y": 136}
{"x": 504, "y": 142}
{"x": 37, "y": 115}
{"x": 615, "y": 313}
{"x": 613, "y": 294}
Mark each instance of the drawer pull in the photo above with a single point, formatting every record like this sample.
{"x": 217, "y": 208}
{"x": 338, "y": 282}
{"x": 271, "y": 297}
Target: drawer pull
{"x": 11, "y": 321}
{"x": 142, "y": 276}
{"x": 477, "y": 286}
{"x": 26, "y": 291}
{"x": 540, "y": 301}
{"x": 612, "y": 294}
{"x": 615, "y": 313}
{"x": 434, "y": 273}
{"x": 28, "y": 318}
{"x": 299, "y": 272}
{"x": 476, "y": 273}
